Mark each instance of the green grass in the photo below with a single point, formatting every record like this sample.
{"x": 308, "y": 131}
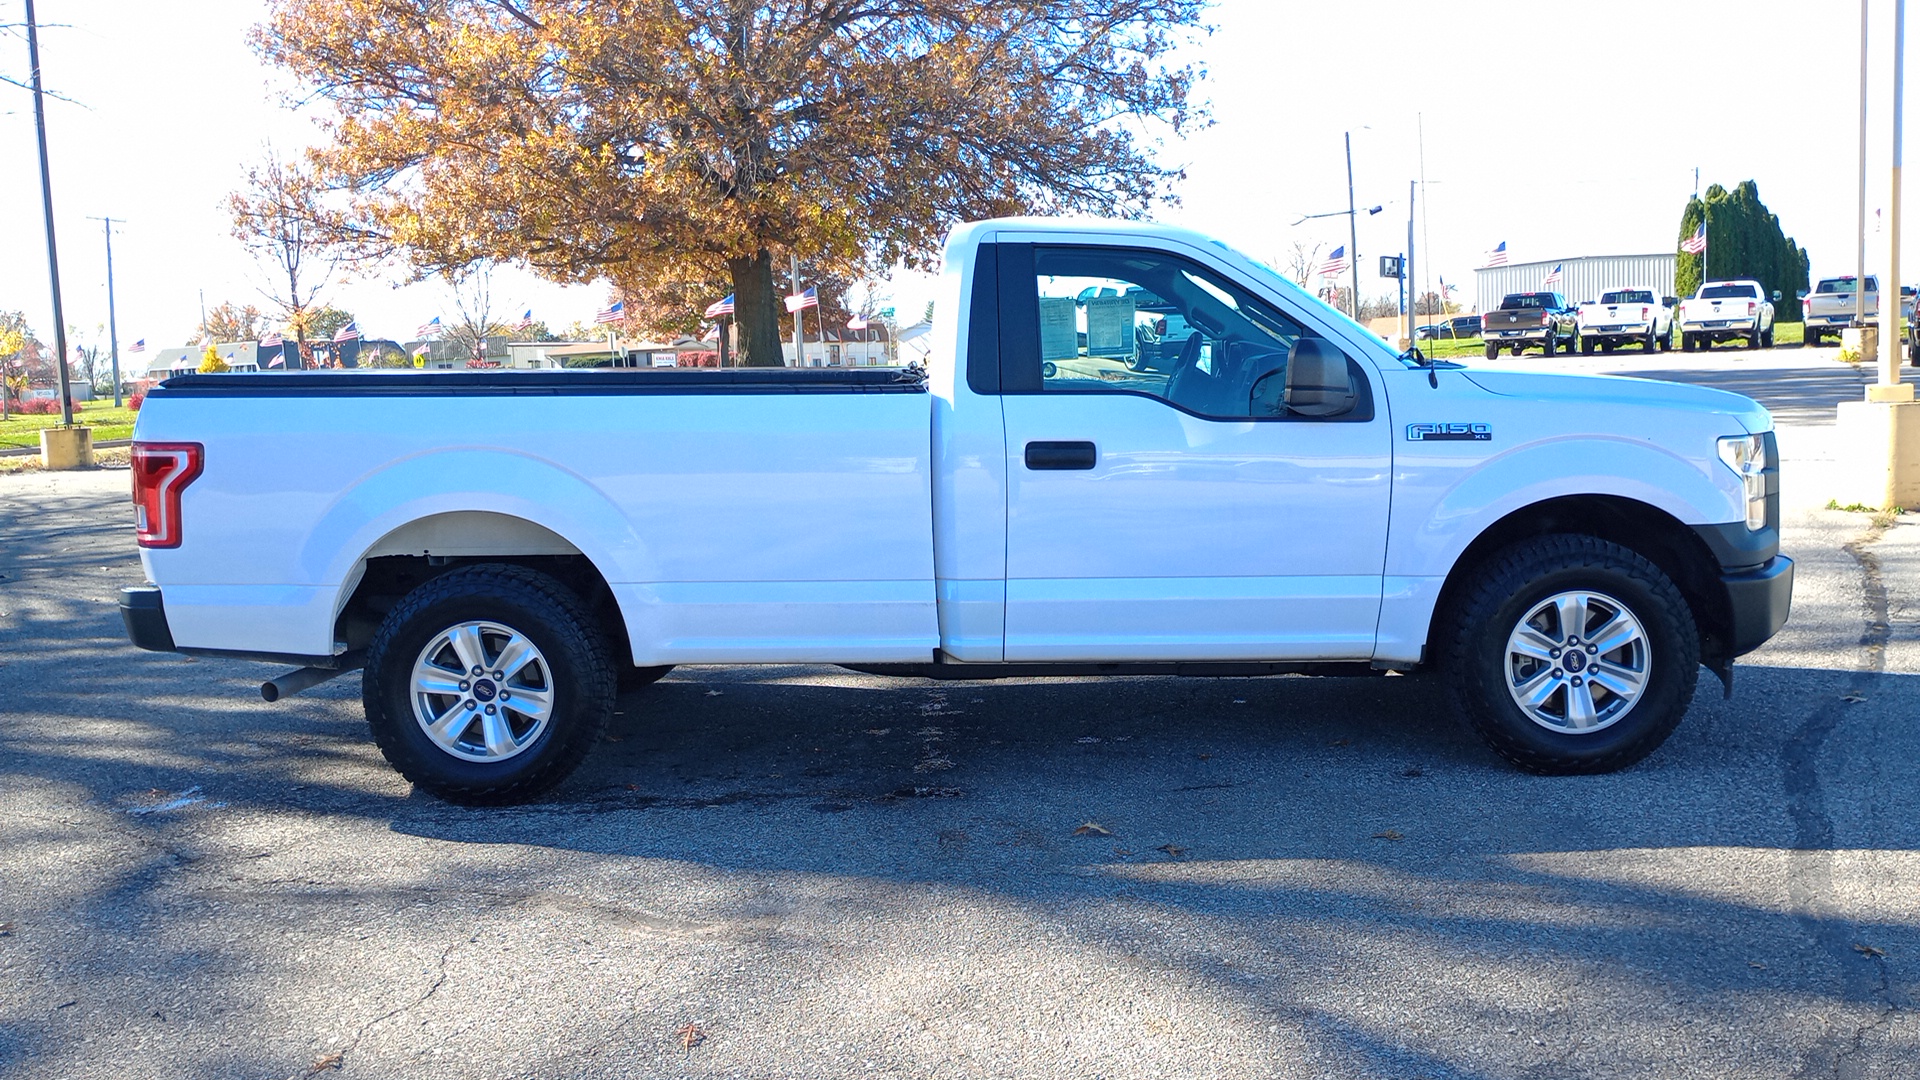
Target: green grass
{"x": 106, "y": 421}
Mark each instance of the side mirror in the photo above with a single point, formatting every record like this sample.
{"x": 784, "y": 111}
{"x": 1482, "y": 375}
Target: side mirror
{"x": 1318, "y": 383}
{"x": 1776, "y": 296}
{"x": 1670, "y": 301}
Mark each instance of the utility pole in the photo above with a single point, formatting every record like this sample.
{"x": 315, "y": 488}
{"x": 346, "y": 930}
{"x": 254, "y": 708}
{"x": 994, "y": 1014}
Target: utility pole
{"x": 113, "y": 326}
{"x": 46, "y": 204}
{"x": 799, "y": 327}
{"x": 1860, "y": 252}
{"x": 1407, "y": 270}
{"x": 1890, "y": 285}
{"x": 1353, "y": 235}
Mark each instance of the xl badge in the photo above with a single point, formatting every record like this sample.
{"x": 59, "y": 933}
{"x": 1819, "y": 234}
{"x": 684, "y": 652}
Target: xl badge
{"x": 1449, "y": 433}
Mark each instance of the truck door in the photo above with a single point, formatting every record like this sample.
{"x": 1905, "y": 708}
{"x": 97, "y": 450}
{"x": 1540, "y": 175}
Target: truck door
{"x": 1170, "y": 497}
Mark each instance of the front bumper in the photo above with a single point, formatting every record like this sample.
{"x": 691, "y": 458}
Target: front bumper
{"x": 1759, "y": 601}
{"x": 146, "y": 618}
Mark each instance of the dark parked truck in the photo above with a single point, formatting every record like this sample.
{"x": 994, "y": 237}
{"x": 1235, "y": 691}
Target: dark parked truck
{"x": 1529, "y": 319}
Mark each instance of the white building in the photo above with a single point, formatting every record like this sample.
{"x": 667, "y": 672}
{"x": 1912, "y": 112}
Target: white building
{"x": 1582, "y": 278}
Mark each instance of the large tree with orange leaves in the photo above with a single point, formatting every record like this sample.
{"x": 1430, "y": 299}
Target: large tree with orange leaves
{"x": 682, "y": 148}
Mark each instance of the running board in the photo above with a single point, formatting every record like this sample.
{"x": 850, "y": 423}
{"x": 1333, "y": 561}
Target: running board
{"x": 1204, "y": 669}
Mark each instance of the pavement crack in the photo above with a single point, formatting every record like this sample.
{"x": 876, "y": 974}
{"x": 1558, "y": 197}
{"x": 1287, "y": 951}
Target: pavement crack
{"x": 1810, "y": 880}
{"x": 440, "y": 979}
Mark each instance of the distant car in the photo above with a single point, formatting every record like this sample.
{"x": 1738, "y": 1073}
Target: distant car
{"x": 1460, "y": 326}
{"x": 1626, "y": 317}
{"x": 1829, "y": 308}
{"x": 1529, "y": 319}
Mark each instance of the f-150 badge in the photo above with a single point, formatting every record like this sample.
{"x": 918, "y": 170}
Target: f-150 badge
{"x": 1449, "y": 432}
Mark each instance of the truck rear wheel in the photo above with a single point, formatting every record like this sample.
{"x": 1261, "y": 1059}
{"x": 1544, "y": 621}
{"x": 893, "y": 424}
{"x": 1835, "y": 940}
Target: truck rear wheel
{"x": 1571, "y": 654}
{"x": 1754, "y": 339}
{"x": 488, "y": 684}
{"x": 1586, "y": 346}
{"x": 1492, "y": 350}
{"x": 1686, "y": 342}
{"x": 1547, "y": 343}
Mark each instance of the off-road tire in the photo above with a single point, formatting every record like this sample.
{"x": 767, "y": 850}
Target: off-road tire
{"x": 1766, "y": 339}
{"x": 1587, "y": 346}
{"x": 533, "y": 604}
{"x": 1547, "y": 344}
{"x": 1505, "y": 588}
{"x": 1492, "y": 350}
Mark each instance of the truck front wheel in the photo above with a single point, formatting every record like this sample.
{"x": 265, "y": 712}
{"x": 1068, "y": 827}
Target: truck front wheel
{"x": 488, "y": 684}
{"x": 1571, "y": 654}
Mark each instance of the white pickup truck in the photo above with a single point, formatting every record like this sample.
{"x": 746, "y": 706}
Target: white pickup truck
{"x": 1278, "y": 491}
{"x": 1627, "y": 317}
{"x": 1727, "y": 311}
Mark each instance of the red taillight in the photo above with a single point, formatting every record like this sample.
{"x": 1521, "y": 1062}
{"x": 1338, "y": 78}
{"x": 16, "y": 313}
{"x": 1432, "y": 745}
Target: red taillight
{"x": 161, "y": 471}
{"x": 1752, "y": 308}
{"x": 1646, "y": 313}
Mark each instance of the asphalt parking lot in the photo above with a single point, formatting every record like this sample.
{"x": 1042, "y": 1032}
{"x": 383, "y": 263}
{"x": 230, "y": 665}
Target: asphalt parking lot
{"x": 803, "y": 872}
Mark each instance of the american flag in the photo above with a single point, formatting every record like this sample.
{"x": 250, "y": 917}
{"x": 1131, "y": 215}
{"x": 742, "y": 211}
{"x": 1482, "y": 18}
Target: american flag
{"x": 803, "y": 301}
{"x": 858, "y": 322}
{"x": 720, "y": 307}
{"x": 617, "y": 312}
{"x": 526, "y": 321}
{"x": 1697, "y": 243}
{"x": 1446, "y": 290}
{"x": 138, "y": 346}
{"x": 1498, "y": 256}
{"x": 272, "y": 341}
{"x": 429, "y": 329}
{"x": 279, "y": 359}
{"x": 1336, "y": 263}
{"x": 349, "y": 332}
{"x": 1552, "y": 278}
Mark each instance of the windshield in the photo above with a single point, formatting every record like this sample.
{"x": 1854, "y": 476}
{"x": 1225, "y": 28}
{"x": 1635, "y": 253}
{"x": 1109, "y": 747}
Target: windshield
{"x": 1285, "y": 287}
{"x": 1627, "y": 296}
{"x": 1844, "y": 285}
{"x": 1729, "y": 292}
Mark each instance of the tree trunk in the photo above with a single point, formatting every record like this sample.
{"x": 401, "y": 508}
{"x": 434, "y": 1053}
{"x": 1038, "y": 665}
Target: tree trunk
{"x": 755, "y": 311}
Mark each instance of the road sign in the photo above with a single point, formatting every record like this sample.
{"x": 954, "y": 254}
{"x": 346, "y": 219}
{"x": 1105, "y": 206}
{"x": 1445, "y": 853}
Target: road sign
{"x": 1390, "y": 266}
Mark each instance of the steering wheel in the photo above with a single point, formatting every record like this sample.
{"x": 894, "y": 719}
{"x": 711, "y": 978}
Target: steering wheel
{"x": 1186, "y": 370}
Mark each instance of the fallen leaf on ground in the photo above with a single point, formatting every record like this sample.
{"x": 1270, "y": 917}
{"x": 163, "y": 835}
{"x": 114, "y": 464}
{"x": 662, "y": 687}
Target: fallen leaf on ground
{"x": 1092, "y": 828}
{"x": 690, "y": 1036}
{"x": 1853, "y": 699}
{"x": 331, "y": 1061}
{"x": 1239, "y": 701}
{"x": 1174, "y": 850}
{"x": 1390, "y": 834}
{"x": 1122, "y": 852}
{"x": 1756, "y": 965}
{"x": 1867, "y": 950}
{"x": 713, "y": 693}
{"x": 1341, "y": 742}
{"x": 1204, "y": 757}
{"x": 6, "y": 929}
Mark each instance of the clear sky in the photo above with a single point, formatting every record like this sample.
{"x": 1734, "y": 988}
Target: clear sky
{"x": 1562, "y": 129}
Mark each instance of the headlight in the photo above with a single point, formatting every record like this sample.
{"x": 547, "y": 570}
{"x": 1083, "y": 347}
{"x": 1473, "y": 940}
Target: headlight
{"x": 1747, "y": 456}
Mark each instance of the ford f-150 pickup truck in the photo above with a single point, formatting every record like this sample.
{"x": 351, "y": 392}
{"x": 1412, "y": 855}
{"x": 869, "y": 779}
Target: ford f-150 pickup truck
{"x": 1525, "y": 319}
{"x": 1287, "y": 494}
{"x": 1626, "y": 317}
{"x": 1726, "y": 311}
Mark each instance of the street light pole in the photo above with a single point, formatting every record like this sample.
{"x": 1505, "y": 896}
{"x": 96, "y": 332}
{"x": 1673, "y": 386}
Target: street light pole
{"x": 1352, "y": 231}
{"x": 113, "y": 326}
{"x": 1860, "y": 253}
{"x": 46, "y": 204}
{"x": 1890, "y": 287}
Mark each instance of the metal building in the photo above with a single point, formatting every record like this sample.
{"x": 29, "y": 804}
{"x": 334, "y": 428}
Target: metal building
{"x": 1582, "y": 278}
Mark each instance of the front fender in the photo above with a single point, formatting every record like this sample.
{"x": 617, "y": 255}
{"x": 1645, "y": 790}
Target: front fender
{"x": 1444, "y": 503}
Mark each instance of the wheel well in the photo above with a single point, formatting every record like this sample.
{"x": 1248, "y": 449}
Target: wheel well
{"x": 1653, "y": 533}
{"x": 411, "y": 556}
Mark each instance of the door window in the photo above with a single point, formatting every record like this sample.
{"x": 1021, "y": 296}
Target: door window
{"x": 1115, "y": 320}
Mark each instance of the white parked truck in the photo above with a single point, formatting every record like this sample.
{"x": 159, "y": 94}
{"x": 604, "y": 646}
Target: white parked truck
{"x": 1627, "y": 317}
{"x": 1727, "y": 311}
{"x": 1133, "y": 451}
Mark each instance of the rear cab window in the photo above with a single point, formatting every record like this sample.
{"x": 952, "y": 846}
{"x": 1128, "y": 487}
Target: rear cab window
{"x": 1729, "y": 292}
{"x": 1627, "y": 296}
